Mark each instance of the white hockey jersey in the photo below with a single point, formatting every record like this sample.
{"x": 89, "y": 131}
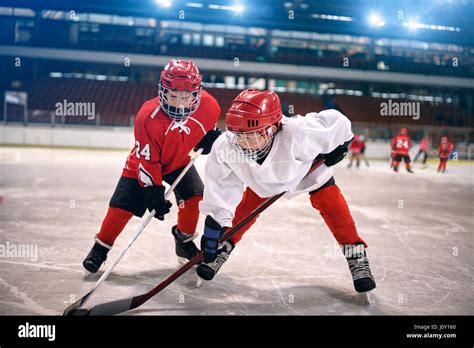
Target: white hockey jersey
{"x": 293, "y": 151}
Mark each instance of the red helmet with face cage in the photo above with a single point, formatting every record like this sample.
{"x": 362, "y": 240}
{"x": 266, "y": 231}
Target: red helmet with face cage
{"x": 180, "y": 76}
{"x": 252, "y": 115}
{"x": 253, "y": 110}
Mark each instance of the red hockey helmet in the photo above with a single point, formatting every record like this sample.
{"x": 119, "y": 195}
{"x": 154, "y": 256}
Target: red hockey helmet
{"x": 403, "y": 131}
{"x": 180, "y": 89}
{"x": 250, "y": 120}
{"x": 253, "y": 110}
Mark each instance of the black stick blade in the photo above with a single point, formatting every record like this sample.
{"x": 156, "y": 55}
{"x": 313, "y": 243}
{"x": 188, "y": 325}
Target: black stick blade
{"x": 112, "y": 308}
{"x": 73, "y": 308}
{"x": 76, "y": 312}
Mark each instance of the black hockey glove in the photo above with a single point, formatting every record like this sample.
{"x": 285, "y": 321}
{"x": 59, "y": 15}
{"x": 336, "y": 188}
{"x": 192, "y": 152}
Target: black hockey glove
{"x": 210, "y": 239}
{"x": 336, "y": 155}
{"x": 155, "y": 199}
{"x": 207, "y": 141}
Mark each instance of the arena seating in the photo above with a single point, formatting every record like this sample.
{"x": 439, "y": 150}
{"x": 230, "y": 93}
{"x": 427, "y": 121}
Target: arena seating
{"x": 117, "y": 103}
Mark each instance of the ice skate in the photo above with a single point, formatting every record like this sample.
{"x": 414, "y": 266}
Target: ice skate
{"x": 208, "y": 271}
{"x": 95, "y": 258}
{"x": 185, "y": 247}
{"x": 359, "y": 267}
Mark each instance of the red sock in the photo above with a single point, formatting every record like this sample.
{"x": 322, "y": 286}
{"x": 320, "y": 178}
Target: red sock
{"x": 188, "y": 215}
{"x": 114, "y": 223}
{"x": 333, "y": 208}
{"x": 250, "y": 201}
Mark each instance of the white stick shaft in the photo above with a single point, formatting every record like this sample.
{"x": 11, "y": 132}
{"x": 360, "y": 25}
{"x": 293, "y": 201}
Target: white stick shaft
{"x": 142, "y": 227}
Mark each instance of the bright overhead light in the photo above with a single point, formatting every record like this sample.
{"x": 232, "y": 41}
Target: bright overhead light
{"x": 195, "y": 4}
{"x": 414, "y": 25}
{"x": 163, "y": 3}
{"x": 238, "y": 8}
{"x": 331, "y": 17}
{"x": 376, "y": 21}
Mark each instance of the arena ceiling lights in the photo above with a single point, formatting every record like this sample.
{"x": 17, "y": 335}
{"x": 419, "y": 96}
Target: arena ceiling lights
{"x": 332, "y": 17}
{"x": 376, "y": 20}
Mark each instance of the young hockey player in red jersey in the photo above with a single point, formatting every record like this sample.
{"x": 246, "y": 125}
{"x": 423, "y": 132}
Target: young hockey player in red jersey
{"x": 362, "y": 151}
{"x": 444, "y": 151}
{"x": 269, "y": 153}
{"x": 424, "y": 147}
{"x": 401, "y": 145}
{"x": 167, "y": 128}
{"x": 356, "y": 151}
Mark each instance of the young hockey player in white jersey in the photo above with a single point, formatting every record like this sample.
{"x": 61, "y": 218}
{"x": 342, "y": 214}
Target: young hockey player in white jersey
{"x": 269, "y": 153}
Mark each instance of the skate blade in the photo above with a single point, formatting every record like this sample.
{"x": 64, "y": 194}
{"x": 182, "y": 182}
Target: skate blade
{"x": 365, "y": 297}
{"x": 181, "y": 262}
{"x": 91, "y": 277}
{"x": 86, "y": 275}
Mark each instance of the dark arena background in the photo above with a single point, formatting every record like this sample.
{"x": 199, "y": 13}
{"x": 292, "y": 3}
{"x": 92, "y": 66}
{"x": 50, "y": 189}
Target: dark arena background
{"x": 74, "y": 74}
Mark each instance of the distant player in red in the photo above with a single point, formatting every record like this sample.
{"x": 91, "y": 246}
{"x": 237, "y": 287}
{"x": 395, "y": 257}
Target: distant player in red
{"x": 424, "y": 147}
{"x": 183, "y": 117}
{"x": 401, "y": 145}
{"x": 362, "y": 151}
{"x": 355, "y": 151}
{"x": 444, "y": 151}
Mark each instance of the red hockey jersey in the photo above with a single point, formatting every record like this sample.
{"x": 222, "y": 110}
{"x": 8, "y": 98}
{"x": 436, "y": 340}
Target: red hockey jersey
{"x": 162, "y": 145}
{"x": 356, "y": 146}
{"x": 401, "y": 144}
{"x": 445, "y": 150}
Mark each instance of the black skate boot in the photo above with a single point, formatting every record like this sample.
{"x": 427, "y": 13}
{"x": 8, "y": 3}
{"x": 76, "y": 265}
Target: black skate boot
{"x": 359, "y": 267}
{"x": 185, "y": 247}
{"x": 395, "y": 169}
{"x": 96, "y": 256}
{"x": 409, "y": 170}
{"x": 208, "y": 271}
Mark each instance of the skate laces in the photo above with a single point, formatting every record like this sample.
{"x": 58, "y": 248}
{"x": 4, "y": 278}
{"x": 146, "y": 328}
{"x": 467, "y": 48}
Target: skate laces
{"x": 222, "y": 256}
{"x": 217, "y": 264}
{"x": 98, "y": 254}
{"x": 359, "y": 268}
{"x": 358, "y": 262}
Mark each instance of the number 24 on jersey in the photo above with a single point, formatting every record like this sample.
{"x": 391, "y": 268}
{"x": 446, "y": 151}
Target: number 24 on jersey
{"x": 145, "y": 151}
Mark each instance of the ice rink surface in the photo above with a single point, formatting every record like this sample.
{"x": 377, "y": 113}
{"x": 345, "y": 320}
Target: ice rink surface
{"x": 419, "y": 227}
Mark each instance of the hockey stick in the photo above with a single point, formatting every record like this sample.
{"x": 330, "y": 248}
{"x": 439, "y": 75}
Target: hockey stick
{"x": 79, "y": 303}
{"x": 123, "y": 305}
